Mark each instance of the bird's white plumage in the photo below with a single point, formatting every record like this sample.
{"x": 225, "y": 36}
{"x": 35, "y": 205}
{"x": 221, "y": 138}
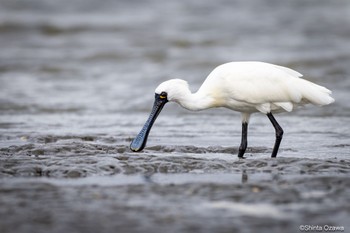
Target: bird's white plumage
{"x": 248, "y": 87}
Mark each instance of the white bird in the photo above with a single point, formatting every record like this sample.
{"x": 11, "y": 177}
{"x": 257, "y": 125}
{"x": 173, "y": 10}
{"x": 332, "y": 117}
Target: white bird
{"x": 246, "y": 87}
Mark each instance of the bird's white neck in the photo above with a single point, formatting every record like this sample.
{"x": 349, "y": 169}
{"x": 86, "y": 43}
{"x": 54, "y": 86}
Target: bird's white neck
{"x": 194, "y": 101}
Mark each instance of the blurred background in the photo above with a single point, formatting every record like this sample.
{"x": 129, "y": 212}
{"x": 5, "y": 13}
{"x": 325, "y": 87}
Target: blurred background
{"x": 88, "y": 56}
{"x": 77, "y": 80}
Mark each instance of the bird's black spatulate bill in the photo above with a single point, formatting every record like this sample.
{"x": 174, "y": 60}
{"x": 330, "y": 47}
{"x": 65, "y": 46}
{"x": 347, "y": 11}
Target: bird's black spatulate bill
{"x": 141, "y": 139}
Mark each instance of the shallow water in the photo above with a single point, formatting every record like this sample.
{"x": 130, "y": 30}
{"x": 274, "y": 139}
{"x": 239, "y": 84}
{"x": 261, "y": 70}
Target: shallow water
{"x": 76, "y": 85}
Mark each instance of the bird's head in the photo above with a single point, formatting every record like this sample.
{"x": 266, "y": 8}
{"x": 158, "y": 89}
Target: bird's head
{"x": 171, "y": 90}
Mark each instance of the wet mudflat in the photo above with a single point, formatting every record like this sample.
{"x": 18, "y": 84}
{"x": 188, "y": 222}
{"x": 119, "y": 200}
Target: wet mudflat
{"x": 92, "y": 182}
{"x": 76, "y": 85}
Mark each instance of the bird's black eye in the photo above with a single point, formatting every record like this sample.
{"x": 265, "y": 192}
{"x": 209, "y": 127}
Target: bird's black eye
{"x": 163, "y": 95}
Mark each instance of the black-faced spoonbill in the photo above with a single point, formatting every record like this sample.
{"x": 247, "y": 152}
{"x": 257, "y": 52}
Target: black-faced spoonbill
{"x": 246, "y": 87}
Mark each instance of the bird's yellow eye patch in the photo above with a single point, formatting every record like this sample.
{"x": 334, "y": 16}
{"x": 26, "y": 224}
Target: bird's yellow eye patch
{"x": 163, "y": 95}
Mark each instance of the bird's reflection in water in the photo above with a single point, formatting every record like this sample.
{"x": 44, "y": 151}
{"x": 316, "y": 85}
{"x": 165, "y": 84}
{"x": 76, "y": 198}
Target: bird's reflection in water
{"x": 244, "y": 177}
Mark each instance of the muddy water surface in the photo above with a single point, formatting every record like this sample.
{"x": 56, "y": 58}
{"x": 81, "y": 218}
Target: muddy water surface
{"x": 76, "y": 85}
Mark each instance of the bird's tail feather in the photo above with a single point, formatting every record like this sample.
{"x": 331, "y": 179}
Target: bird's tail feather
{"x": 314, "y": 93}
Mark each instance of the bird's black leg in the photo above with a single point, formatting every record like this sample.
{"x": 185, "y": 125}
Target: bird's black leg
{"x": 279, "y": 134}
{"x": 244, "y": 141}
